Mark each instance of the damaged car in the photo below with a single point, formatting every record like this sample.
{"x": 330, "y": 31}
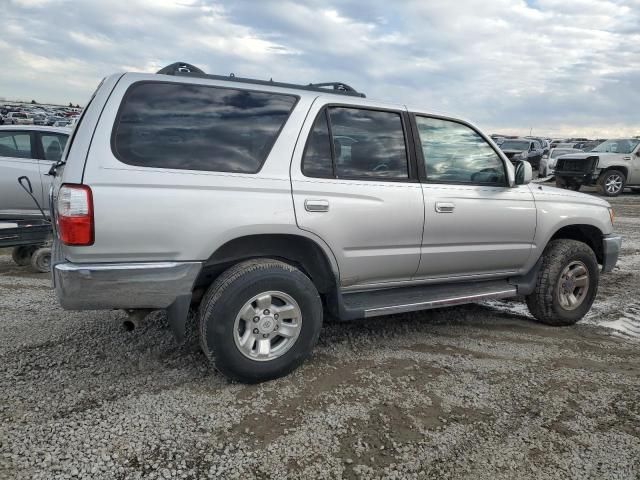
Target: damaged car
{"x": 612, "y": 166}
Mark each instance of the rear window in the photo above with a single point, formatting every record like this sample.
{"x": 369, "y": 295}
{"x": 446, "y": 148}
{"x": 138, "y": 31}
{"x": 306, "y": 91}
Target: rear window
{"x": 196, "y": 127}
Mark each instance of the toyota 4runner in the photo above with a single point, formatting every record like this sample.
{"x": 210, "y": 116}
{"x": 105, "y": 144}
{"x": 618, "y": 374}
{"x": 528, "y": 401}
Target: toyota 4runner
{"x": 263, "y": 206}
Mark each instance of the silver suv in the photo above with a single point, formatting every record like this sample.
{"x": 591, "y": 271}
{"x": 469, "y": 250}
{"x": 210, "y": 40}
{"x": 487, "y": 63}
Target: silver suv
{"x": 264, "y": 206}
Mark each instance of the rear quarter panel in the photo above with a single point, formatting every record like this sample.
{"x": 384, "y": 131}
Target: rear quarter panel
{"x": 149, "y": 214}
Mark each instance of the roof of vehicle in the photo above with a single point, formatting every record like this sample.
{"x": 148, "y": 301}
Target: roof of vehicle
{"x": 39, "y": 128}
{"x": 185, "y": 69}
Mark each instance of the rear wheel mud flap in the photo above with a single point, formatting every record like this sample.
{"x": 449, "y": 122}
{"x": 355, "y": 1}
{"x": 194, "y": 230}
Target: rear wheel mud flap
{"x": 177, "y": 314}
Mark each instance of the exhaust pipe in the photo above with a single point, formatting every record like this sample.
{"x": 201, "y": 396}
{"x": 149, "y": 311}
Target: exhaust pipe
{"x": 135, "y": 319}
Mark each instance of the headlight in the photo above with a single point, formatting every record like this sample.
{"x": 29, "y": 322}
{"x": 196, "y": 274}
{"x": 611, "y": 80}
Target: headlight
{"x": 524, "y": 155}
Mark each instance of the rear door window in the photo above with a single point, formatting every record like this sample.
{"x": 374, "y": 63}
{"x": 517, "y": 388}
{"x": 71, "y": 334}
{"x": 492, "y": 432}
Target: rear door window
{"x": 357, "y": 143}
{"x": 196, "y": 127}
{"x": 15, "y": 144}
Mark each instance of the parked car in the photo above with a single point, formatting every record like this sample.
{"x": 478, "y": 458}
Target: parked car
{"x": 543, "y": 144}
{"x": 264, "y": 205}
{"x": 523, "y": 149}
{"x": 612, "y": 166}
{"x": 27, "y": 151}
{"x": 548, "y": 162}
{"x": 18, "y": 118}
{"x": 588, "y": 146}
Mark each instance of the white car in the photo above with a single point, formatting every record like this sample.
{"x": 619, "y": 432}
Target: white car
{"x": 548, "y": 162}
{"x": 18, "y": 118}
{"x": 27, "y": 150}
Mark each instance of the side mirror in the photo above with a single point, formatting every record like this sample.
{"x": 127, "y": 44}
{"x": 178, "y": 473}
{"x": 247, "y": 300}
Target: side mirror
{"x": 638, "y": 153}
{"x": 524, "y": 172}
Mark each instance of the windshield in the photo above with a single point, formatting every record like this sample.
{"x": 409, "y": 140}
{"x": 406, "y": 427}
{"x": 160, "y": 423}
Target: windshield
{"x": 618, "y": 145}
{"x": 556, "y": 152}
{"x": 514, "y": 145}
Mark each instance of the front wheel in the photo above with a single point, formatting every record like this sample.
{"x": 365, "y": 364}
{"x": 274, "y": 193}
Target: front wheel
{"x": 611, "y": 183}
{"x": 567, "y": 283}
{"x": 260, "y": 320}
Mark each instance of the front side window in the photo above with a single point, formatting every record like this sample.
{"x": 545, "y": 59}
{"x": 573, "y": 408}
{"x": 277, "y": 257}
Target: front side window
{"x": 455, "y": 153}
{"x": 15, "y": 144}
{"x": 620, "y": 145}
{"x": 196, "y": 127}
{"x": 53, "y": 146}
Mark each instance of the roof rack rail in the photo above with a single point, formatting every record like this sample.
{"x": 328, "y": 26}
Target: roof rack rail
{"x": 186, "y": 69}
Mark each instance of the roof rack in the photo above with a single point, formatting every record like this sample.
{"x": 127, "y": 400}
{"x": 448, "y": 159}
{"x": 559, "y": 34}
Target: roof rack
{"x": 185, "y": 69}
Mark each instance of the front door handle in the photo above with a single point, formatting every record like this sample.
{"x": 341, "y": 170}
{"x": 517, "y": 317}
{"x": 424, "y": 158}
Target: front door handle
{"x": 445, "y": 207}
{"x": 316, "y": 205}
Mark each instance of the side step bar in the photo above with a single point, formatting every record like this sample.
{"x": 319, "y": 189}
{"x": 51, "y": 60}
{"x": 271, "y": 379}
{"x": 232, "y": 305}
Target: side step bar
{"x": 410, "y": 299}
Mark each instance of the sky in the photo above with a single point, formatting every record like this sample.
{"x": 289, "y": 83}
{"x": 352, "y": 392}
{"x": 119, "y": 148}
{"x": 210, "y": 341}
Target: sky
{"x": 550, "y": 67}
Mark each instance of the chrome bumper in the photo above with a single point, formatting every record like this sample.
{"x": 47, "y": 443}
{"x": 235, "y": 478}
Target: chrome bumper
{"x": 102, "y": 286}
{"x": 611, "y": 245}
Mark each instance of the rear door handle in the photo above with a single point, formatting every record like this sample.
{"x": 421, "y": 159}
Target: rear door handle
{"x": 445, "y": 207}
{"x": 316, "y": 205}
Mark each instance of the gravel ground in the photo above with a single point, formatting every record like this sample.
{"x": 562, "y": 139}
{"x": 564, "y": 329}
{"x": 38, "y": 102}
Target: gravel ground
{"x": 480, "y": 391}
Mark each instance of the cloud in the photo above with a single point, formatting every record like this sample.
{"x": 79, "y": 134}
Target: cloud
{"x": 508, "y": 65}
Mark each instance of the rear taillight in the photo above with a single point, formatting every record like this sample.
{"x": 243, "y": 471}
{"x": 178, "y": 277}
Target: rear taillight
{"x": 74, "y": 216}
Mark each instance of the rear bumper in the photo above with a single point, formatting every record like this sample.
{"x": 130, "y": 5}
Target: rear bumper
{"x": 123, "y": 285}
{"x": 611, "y": 245}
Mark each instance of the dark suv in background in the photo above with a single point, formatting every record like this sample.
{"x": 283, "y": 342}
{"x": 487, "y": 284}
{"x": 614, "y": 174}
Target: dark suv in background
{"x": 523, "y": 149}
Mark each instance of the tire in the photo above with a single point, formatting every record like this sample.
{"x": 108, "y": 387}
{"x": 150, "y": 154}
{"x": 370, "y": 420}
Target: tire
{"x": 222, "y": 326}
{"x": 41, "y": 260}
{"x": 611, "y": 183}
{"x": 546, "y": 301}
{"x": 561, "y": 182}
{"x": 22, "y": 255}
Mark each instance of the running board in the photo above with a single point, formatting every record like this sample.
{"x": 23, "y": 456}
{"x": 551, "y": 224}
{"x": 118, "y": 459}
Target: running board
{"x": 411, "y": 299}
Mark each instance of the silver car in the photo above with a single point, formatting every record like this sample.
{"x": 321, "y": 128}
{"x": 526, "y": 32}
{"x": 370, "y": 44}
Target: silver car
{"x": 264, "y": 206}
{"x": 27, "y": 150}
{"x": 612, "y": 166}
{"x": 548, "y": 162}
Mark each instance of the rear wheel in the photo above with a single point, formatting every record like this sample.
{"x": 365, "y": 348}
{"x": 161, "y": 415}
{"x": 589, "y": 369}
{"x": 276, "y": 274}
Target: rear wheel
{"x": 567, "y": 283}
{"x": 22, "y": 255}
{"x": 41, "y": 260}
{"x": 611, "y": 183}
{"x": 260, "y": 320}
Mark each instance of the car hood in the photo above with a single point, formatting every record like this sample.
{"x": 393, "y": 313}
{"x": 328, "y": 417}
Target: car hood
{"x": 543, "y": 192}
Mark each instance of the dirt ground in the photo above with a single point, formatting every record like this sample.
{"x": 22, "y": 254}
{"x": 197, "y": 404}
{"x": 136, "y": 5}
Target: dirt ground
{"x": 478, "y": 392}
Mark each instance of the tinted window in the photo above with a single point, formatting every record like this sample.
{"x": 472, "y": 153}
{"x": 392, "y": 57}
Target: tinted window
{"x": 53, "y": 146}
{"x": 197, "y": 127}
{"x": 317, "y": 156}
{"x": 368, "y": 143}
{"x": 15, "y": 144}
{"x": 454, "y": 153}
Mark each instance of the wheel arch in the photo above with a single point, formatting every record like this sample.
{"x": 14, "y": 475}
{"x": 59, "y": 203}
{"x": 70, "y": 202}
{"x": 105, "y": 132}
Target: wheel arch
{"x": 298, "y": 250}
{"x": 588, "y": 234}
{"x": 620, "y": 168}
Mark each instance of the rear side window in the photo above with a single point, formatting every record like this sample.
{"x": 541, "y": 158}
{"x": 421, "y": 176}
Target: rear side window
{"x": 196, "y": 127}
